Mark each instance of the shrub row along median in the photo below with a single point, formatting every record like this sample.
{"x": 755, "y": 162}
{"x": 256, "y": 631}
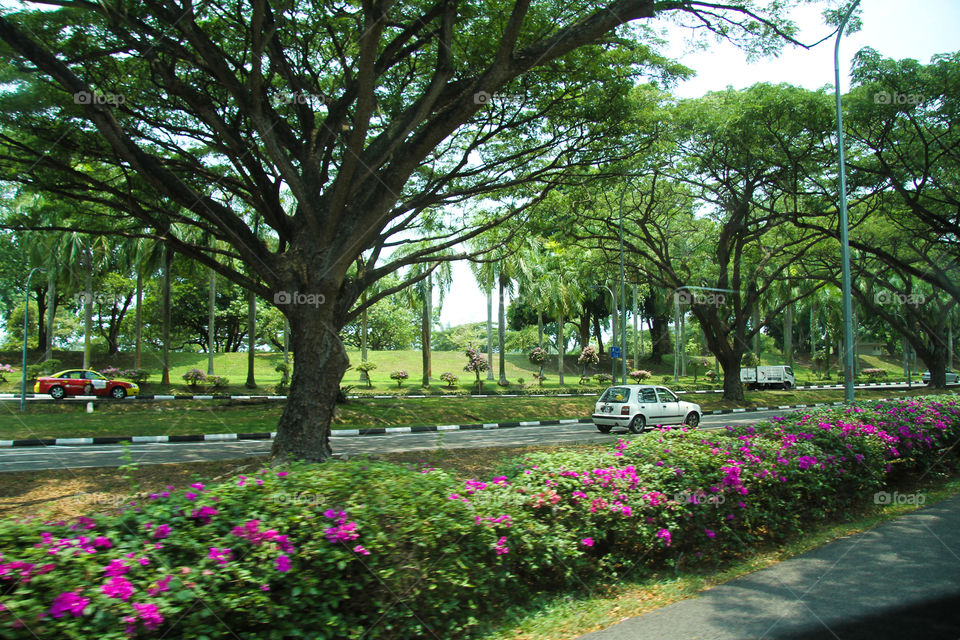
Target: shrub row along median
{"x": 367, "y": 549}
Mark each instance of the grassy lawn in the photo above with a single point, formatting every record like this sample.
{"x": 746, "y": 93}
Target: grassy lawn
{"x": 517, "y": 366}
{"x": 65, "y": 420}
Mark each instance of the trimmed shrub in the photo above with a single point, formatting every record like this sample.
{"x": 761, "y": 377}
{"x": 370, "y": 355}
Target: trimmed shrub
{"x": 640, "y": 375}
{"x": 603, "y": 378}
{"x": 287, "y": 552}
{"x": 136, "y": 375}
{"x": 875, "y": 374}
{"x": 194, "y": 377}
{"x": 217, "y": 382}
{"x": 5, "y": 370}
{"x": 399, "y": 375}
{"x": 450, "y": 379}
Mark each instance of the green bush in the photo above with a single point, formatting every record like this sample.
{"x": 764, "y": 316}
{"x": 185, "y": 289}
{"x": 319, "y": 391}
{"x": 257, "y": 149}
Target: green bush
{"x": 372, "y": 550}
{"x": 44, "y": 368}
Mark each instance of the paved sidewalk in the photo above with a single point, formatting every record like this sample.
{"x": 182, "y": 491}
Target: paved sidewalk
{"x": 899, "y": 580}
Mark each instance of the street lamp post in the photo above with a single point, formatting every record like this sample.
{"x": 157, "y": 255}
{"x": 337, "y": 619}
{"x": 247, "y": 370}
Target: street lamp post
{"x": 23, "y": 362}
{"x": 613, "y": 326}
{"x": 844, "y": 224}
{"x": 623, "y": 302}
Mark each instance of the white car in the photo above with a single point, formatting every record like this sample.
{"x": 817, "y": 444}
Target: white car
{"x": 635, "y": 406}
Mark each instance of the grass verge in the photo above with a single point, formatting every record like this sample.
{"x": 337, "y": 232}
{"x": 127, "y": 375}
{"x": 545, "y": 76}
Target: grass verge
{"x": 179, "y": 417}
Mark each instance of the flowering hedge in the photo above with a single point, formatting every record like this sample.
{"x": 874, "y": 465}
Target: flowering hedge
{"x": 358, "y": 549}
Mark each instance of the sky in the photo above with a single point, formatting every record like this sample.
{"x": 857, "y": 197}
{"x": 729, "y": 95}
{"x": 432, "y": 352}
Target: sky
{"x": 896, "y": 29}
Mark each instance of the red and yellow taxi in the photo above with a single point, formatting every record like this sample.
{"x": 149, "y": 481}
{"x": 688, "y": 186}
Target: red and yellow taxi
{"x": 83, "y": 382}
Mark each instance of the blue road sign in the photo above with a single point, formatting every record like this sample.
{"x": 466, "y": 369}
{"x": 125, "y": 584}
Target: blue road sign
{"x": 614, "y": 352}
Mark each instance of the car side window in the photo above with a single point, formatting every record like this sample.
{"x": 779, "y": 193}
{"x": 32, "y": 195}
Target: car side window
{"x": 666, "y": 395}
{"x": 648, "y": 395}
{"x": 76, "y": 375}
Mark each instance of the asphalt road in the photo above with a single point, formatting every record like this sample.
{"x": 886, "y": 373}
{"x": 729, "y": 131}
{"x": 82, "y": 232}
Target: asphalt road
{"x": 71, "y": 457}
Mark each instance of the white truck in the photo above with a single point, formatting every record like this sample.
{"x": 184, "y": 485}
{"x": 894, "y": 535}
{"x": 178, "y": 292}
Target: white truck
{"x": 777, "y": 376}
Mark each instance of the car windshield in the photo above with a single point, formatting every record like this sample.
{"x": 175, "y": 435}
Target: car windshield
{"x": 615, "y": 394}
{"x": 788, "y": 370}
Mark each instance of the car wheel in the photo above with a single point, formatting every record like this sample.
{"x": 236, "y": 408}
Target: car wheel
{"x": 637, "y": 425}
{"x": 88, "y": 390}
{"x": 603, "y": 428}
{"x": 692, "y": 420}
{"x": 118, "y": 393}
{"x": 786, "y": 386}
{"x": 57, "y": 393}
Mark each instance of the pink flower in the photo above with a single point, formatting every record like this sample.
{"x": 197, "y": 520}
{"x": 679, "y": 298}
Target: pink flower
{"x": 162, "y": 585}
{"x": 221, "y": 555}
{"x": 587, "y": 542}
{"x": 359, "y": 549}
{"x": 149, "y": 614}
{"x": 710, "y": 534}
{"x": 161, "y": 532}
{"x": 665, "y": 536}
{"x": 116, "y": 568}
{"x": 264, "y": 587}
{"x": 69, "y": 602}
{"x": 282, "y": 563}
{"x": 118, "y": 587}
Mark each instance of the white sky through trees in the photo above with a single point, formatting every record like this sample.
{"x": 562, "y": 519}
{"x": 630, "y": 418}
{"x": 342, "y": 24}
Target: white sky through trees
{"x": 895, "y": 29}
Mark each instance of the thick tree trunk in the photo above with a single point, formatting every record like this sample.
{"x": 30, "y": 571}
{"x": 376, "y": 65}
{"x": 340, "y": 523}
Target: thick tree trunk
{"x": 42, "y": 298}
{"x": 303, "y": 432}
{"x": 502, "y": 330}
{"x": 251, "y": 382}
{"x": 730, "y": 363}
{"x": 583, "y": 328}
{"x": 598, "y": 335}
{"x": 660, "y": 335}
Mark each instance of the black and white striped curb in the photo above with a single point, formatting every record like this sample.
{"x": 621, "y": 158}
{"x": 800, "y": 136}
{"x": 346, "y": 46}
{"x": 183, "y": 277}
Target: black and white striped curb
{"x": 372, "y": 431}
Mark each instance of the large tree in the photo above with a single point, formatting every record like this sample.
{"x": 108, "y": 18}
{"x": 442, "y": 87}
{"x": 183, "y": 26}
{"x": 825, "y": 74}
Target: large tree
{"x": 365, "y": 116}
